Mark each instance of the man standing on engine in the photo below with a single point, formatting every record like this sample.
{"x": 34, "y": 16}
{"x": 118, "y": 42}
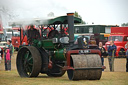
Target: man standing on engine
{"x": 33, "y": 34}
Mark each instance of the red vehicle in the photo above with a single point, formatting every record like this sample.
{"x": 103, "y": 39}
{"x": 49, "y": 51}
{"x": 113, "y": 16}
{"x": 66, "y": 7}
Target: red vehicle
{"x": 2, "y": 39}
{"x": 120, "y": 37}
{"x": 2, "y": 35}
{"x": 16, "y": 38}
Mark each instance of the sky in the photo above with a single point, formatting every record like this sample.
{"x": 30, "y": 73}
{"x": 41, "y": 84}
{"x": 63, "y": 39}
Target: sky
{"x": 108, "y": 12}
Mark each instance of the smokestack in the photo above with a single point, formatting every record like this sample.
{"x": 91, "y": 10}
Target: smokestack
{"x": 70, "y": 19}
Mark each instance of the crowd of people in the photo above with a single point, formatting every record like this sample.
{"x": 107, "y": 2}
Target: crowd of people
{"x": 7, "y": 56}
{"x": 8, "y": 51}
{"x": 111, "y": 54}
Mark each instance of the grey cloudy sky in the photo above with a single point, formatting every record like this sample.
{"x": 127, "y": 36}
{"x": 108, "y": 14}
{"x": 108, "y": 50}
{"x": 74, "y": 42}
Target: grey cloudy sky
{"x": 97, "y": 11}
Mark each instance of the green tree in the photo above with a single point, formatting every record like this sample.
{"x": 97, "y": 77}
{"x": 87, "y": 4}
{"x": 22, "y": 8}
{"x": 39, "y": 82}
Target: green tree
{"x": 124, "y": 24}
{"x": 77, "y": 15}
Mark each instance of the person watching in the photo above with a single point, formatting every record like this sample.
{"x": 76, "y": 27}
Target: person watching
{"x": 126, "y": 46}
{"x": 111, "y": 53}
{"x": 103, "y": 53}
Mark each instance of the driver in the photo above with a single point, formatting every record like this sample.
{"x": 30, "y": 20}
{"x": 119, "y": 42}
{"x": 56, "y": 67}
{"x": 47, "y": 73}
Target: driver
{"x": 33, "y": 34}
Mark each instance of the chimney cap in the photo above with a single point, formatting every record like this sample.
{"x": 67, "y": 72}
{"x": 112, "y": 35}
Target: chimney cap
{"x": 70, "y": 14}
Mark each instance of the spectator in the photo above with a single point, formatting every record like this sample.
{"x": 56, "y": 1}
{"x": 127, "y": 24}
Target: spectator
{"x": 33, "y": 34}
{"x": 8, "y": 59}
{"x": 9, "y": 44}
{"x": 126, "y": 46}
{"x": 103, "y": 53}
{"x": 0, "y": 54}
{"x": 0, "y": 59}
{"x": 10, "y": 47}
{"x": 111, "y": 53}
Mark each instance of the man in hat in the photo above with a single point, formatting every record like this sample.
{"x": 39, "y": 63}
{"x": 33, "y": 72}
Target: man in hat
{"x": 33, "y": 34}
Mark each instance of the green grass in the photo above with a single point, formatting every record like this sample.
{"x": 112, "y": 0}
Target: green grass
{"x": 108, "y": 78}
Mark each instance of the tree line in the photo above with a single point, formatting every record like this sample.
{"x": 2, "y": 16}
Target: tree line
{"x": 124, "y": 24}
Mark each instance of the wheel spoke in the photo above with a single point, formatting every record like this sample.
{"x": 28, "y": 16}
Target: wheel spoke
{"x": 30, "y": 64}
{"x": 26, "y": 69}
{"x": 29, "y": 58}
{"x": 29, "y": 69}
{"x": 26, "y": 65}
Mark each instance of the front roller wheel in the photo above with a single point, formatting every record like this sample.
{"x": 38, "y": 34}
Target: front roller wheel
{"x": 28, "y": 62}
{"x": 87, "y": 67}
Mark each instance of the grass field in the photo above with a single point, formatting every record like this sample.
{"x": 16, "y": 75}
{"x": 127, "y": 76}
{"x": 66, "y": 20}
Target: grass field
{"x": 108, "y": 78}
{"x": 120, "y": 77}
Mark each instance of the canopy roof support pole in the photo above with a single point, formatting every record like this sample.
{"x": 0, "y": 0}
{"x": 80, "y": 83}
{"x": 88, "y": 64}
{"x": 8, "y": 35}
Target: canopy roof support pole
{"x": 61, "y": 29}
{"x": 70, "y": 19}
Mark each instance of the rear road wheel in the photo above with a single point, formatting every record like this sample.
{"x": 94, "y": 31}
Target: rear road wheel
{"x": 28, "y": 62}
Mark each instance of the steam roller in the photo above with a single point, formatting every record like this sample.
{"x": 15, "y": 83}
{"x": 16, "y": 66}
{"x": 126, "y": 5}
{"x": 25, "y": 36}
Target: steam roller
{"x": 57, "y": 53}
{"x": 86, "y": 67}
